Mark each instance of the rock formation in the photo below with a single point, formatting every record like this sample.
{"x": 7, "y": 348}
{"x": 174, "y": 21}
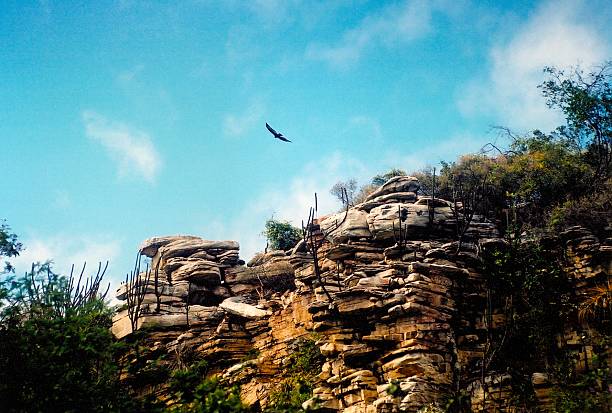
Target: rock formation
{"x": 405, "y": 309}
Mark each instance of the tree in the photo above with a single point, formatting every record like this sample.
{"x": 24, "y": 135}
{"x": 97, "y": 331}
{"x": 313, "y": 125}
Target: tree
{"x": 9, "y": 246}
{"x": 348, "y": 187}
{"x": 56, "y": 349}
{"x": 380, "y": 179}
{"x": 281, "y": 235}
{"x": 468, "y": 181}
{"x": 586, "y": 101}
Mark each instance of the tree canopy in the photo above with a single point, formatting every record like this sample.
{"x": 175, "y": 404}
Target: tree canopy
{"x": 281, "y": 235}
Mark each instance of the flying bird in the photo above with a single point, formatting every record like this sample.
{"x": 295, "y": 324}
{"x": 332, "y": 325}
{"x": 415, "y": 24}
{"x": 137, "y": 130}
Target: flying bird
{"x": 276, "y": 134}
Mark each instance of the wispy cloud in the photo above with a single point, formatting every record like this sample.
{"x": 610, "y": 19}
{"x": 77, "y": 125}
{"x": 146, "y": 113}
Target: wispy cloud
{"x": 62, "y": 200}
{"x": 289, "y": 202}
{"x": 438, "y": 150}
{"x": 65, "y": 250}
{"x": 132, "y": 149}
{"x": 559, "y": 34}
{"x": 396, "y": 23}
{"x": 238, "y": 124}
{"x": 367, "y": 123}
{"x": 241, "y": 47}
{"x": 271, "y": 11}
{"x": 130, "y": 74}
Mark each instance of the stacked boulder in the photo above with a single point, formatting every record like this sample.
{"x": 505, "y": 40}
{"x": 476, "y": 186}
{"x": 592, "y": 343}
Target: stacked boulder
{"x": 395, "y": 306}
{"x": 185, "y": 284}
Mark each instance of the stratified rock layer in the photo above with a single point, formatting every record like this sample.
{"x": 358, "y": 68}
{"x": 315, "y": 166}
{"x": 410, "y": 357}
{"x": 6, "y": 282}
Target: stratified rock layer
{"x": 384, "y": 308}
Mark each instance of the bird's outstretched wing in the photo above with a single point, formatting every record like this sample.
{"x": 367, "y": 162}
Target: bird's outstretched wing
{"x": 275, "y": 133}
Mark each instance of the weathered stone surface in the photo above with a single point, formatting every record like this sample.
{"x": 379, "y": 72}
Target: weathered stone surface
{"x": 185, "y": 247}
{"x": 384, "y": 310}
{"x": 197, "y": 270}
{"x": 235, "y": 306}
{"x": 396, "y": 184}
{"x": 150, "y": 246}
{"x": 180, "y": 317}
{"x": 355, "y": 225}
{"x": 384, "y": 221}
{"x": 394, "y": 197}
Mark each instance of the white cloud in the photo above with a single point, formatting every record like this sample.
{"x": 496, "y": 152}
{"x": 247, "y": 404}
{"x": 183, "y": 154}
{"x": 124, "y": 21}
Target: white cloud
{"x": 371, "y": 125}
{"x": 132, "y": 149}
{"x": 438, "y": 150}
{"x": 238, "y": 124}
{"x": 271, "y": 11}
{"x": 66, "y": 250}
{"x": 558, "y": 34}
{"x": 290, "y": 202}
{"x": 62, "y": 200}
{"x": 127, "y": 76}
{"x": 397, "y": 23}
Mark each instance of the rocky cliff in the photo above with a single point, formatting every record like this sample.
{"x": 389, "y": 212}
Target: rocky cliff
{"x": 396, "y": 311}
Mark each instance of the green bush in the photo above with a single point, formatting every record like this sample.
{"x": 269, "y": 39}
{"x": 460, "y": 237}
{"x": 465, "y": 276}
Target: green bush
{"x": 303, "y": 365}
{"x": 281, "y": 235}
{"x": 52, "y": 358}
{"x": 588, "y": 392}
{"x": 191, "y": 391}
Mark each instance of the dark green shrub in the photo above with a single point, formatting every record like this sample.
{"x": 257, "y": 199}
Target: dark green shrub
{"x": 54, "y": 358}
{"x": 588, "y": 392}
{"x": 191, "y": 391}
{"x": 281, "y": 235}
{"x": 302, "y": 368}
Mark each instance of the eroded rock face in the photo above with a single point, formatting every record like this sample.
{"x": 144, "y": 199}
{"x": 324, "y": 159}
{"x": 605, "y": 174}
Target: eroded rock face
{"x": 396, "y": 185}
{"x": 404, "y": 309}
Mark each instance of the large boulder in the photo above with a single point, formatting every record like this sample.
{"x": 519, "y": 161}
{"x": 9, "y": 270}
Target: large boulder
{"x": 237, "y": 306}
{"x": 150, "y": 246}
{"x": 185, "y": 247}
{"x": 385, "y": 219}
{"x": 396, "y": 184}
{"x": 394, "y": 197}
{"x": 197, "y": 270}
{"x": 354, "y": 226}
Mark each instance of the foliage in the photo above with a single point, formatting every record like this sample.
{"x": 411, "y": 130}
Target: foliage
{"x": 304, "y": 364}
{"x": 141, "y": 364}
{"x": 544, "y": 170}
{"x": 357, "y": 195}
{"x": 394, "y": 389}
{"x": 9, "y": 245}
{"x": 529, "y": 282}
{"x": 56, "y": 361}
{"x": 364, "y": 192}
{"x": 380, "y": 179}
{"x": 562, "y": 176}
{"x": 431, "y": 408}
{"x": 538, "y": 175}
{"x": 588, "y": 392}
{"x": 591, "y": 211}
{"x": 281, "y": 234}
{"x": 345, "y": 191}
{"x": 597, "y": 304}
{"x": 586, "y": 101}
{"x": 191, "y": 391}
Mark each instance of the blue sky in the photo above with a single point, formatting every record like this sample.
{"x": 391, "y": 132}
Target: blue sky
{"x": 122, "y": 120}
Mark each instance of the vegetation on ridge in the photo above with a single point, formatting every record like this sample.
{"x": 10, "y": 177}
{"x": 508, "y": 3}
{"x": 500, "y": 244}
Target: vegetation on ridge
{"x": 57, "y": 353}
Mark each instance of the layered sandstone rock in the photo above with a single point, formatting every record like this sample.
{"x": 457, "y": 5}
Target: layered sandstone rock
{"x": 387, "y": 309}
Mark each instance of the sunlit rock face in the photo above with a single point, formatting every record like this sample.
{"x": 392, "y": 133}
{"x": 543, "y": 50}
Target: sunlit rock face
{"x": 392, "y": 302}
